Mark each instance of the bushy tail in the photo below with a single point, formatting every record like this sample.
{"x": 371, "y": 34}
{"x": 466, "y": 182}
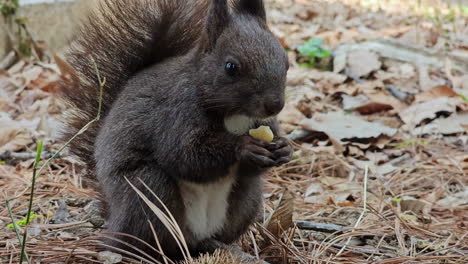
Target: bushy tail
{"x": 122, "y": 37}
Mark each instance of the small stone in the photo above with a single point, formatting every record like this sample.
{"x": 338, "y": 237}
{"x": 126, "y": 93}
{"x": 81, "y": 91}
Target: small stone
{"x": 444, "y": 233}
{"x": 34, "y": 231}
{"x": 97, "y": 221}
{"x": 61, "y": 215}
{"x": 93, "y": 207}
{"x": 319, "y": 236}
{"x": 78, "y": 202}
{"x": 109, "y": 257}
{"x": 420, "y": 244}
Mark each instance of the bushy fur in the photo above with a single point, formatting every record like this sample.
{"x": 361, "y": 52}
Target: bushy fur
{"x": 123, "y": 37}
{"x": 167, "y": 96}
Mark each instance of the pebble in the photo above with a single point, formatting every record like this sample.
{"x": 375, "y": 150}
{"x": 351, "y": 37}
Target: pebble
{"x": 109, "y": 257}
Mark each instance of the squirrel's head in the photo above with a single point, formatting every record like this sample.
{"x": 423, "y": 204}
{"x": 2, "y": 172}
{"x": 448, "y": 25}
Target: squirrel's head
{"x": 243, "y": 62}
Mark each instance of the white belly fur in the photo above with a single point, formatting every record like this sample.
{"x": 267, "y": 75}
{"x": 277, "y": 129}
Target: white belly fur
{"x": 206, "y": 204}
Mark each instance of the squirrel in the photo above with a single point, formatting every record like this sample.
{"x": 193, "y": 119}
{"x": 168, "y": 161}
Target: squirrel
{"x": 185, "y": 81}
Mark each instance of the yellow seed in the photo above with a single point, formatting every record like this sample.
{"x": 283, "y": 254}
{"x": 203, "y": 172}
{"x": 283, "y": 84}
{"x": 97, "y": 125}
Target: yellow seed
{"x": 262, "y": 133}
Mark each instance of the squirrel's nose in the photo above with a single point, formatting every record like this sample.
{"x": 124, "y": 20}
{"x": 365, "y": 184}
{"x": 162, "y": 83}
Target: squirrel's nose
{"x": 273, "y": 106}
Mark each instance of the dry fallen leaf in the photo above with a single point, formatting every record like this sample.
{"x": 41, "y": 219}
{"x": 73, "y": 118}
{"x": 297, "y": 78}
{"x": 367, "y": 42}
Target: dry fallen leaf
{"x": 372, "y": 108}
{"x": 314, "y": 188}
{"x": 415, "y": 114}
{"x": 344, "y": 128}
{"x": 382, "y": 169}
{"x": 413, "y": 205}
{"x": 456, "y": 123}
{"x": 290, "y": 115}
{"x": 363, "y": 62}
{"x": 13, "y": 134}
{"x": 454, "y": 200}
{"x": 351, "y": 102}
{"x": 338, "y": 191}
{"x": 436, "y": 92}
{"x": 282, "y": 218}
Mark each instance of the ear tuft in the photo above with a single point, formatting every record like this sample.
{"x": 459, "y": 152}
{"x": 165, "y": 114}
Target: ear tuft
{"x": 253, "y": 7}
{"x": 218, "y": 19}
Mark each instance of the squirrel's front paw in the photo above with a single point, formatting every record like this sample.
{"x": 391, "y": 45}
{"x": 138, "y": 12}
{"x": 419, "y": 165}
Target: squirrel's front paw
{"x": 263, "y": 154}
{"x": 281, "y": 150}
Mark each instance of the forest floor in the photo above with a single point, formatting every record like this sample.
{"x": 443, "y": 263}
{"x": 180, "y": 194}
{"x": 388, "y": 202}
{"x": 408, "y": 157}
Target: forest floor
{"x": 378, "y": 112}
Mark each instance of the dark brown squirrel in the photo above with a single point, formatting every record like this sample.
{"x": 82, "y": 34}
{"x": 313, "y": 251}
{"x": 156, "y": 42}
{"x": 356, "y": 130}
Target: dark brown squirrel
{"x": 186, "y": 80}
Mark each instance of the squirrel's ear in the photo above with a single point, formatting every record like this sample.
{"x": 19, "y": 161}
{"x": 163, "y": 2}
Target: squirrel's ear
{"x": 218, "y": 18}
{"x": 253, "y": 7}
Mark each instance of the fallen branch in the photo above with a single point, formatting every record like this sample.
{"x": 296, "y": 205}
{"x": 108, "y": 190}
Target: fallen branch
{"x": 320, "y": 227}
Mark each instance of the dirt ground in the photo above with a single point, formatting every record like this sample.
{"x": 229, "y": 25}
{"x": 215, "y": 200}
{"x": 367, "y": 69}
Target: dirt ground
{"x": 377, "y": 111}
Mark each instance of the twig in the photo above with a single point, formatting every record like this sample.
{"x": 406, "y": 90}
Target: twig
{"x": 168, "y": 219}
{"x": 102, "y": 83}
{"x": 251, "y": 235}
{"x": 364, "y": 209}
{"x": 399, "y": 94}
{"x": 320, "y": 227}
{"x": 157, "y": 242}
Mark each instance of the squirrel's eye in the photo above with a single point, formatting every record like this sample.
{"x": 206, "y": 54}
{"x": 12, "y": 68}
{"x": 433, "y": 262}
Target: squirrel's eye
{"x": 231, "y": 68}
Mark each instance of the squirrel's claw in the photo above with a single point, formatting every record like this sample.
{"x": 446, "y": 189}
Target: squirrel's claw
{"x": 283, "y": 152}
{"x": 265, "y": 155}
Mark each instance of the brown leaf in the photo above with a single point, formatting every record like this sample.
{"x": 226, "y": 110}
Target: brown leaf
{"x": 281, "y": 219}
{"x": 413, "y": 205}
{"x": 46, "y": 81}
{"x": 68, "y": 73}
{"x": 14, "y": 138}
{"x": 436, "y": 92}
{"x": 372, "y": 108}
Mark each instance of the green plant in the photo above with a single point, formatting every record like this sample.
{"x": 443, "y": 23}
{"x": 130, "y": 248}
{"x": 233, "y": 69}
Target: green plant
{"x": 312, "y": 51}
{"x": 37, "y": 171}
{"x": 464, "y": 97}
{"x": 8, "y": 8}
{"x": 24, "y": 221}
{"x": 25, "y": 42}
{"x": 464, "y": 10}
{"x": 411, "y": 143}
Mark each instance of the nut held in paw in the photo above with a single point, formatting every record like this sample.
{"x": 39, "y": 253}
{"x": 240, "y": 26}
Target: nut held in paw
{"x": 262, "y": 133}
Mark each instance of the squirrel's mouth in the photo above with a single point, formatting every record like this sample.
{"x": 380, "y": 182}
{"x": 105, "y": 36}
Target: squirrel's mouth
{"x": 239, "y": 124}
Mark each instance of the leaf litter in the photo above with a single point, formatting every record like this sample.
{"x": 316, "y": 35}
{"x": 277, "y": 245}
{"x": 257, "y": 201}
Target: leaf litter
{"x": 394, "y": 103}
